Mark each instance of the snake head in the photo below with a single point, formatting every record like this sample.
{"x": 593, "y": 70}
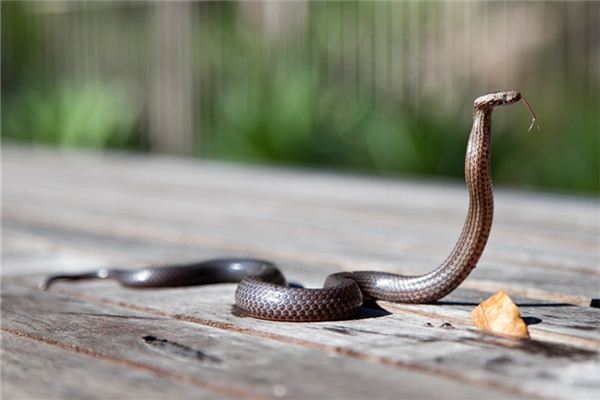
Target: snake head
{"x": 492, "y": 100}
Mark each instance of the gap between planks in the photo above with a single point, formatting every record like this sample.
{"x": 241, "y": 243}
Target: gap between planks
{"x": 536, "y": 333}
{"x": 541, "y": 334}
{"x": 36, "y": 370}
{"x": 193, "y": 335}
{"x": 96, "y": 225}
{"x": 129, "y": 258}
{"x": 183, "y": 175}
{"x": 417, "y": 250}
{"x": 356, "y": 215}
{"x": 228, "y": 390}
{"x": 128, "y": 199}
{"x": 337, "y": 350}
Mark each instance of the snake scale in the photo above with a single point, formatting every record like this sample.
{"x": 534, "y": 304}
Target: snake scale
{"x": 262, "y": 291}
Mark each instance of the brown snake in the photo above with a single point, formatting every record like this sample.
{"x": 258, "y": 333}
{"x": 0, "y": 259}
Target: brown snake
{"x": 262, "y": 292}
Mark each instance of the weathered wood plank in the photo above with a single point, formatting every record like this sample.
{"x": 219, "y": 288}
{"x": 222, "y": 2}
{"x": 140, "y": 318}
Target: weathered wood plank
{"x": 400, "y": 340}
{"x": 540, "y": 225}
{"x": 412, "y": 209}
{"x": 416, "y": 235}
{"x": 499, "y": 266}
{"x": 80, "y": 212}
{"x": 223, "y": 361}
{"x": 561, "y": 323}
{"x": 318, "y": 250}
{"x": 462, "y": 301}
{"x": 35, "y": 369}
{"x": 189, "y": 178}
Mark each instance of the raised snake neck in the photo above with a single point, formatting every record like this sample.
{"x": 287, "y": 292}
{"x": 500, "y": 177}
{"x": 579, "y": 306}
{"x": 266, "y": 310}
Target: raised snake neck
{"x": 262, "y": 292}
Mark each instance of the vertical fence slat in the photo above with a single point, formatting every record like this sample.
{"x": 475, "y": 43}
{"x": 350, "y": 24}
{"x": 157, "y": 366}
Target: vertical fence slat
{"x": 170, "y": 124}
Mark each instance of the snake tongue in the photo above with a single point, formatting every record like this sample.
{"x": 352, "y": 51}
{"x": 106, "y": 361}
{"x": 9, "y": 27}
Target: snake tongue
{"x": 533, "y": 117}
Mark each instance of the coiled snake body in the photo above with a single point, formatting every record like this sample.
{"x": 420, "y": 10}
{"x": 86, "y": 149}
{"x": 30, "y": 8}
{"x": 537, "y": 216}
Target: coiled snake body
{"x": 262, "y": 291}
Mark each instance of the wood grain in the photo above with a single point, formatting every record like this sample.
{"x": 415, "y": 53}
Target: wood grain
{"x": 80, "y": 211}
{"x": 223, "y": 361}
{"x": 342, "y": 229}
{"x": 37, "y": 370}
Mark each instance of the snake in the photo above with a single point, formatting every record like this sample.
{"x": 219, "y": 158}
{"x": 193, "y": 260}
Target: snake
{"x": 263, "y": 293}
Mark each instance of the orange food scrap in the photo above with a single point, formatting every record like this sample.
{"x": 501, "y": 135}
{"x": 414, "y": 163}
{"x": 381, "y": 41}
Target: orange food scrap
{"x": 499, "y": 315}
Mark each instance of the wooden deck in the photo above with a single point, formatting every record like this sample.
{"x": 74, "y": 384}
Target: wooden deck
{"x": 97, "y": 340}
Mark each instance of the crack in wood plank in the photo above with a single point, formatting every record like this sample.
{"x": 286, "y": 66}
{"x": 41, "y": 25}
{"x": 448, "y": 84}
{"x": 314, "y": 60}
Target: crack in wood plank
{"x": 342, "y": 351}
{"x": 179, "y": 350}
{"x": 160, "y": 372}
{"x": 537, "y": 233}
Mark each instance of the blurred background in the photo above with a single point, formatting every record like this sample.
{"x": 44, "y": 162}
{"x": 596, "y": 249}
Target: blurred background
{"x": 366, "y": 87}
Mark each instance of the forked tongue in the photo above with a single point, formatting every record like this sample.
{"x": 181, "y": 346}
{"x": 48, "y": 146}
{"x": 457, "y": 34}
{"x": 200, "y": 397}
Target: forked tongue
{"x": 533, "y": 117}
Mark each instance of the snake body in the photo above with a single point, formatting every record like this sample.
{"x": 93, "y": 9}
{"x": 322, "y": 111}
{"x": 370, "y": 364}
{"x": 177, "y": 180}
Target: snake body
{"x": 262, "y": 291}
